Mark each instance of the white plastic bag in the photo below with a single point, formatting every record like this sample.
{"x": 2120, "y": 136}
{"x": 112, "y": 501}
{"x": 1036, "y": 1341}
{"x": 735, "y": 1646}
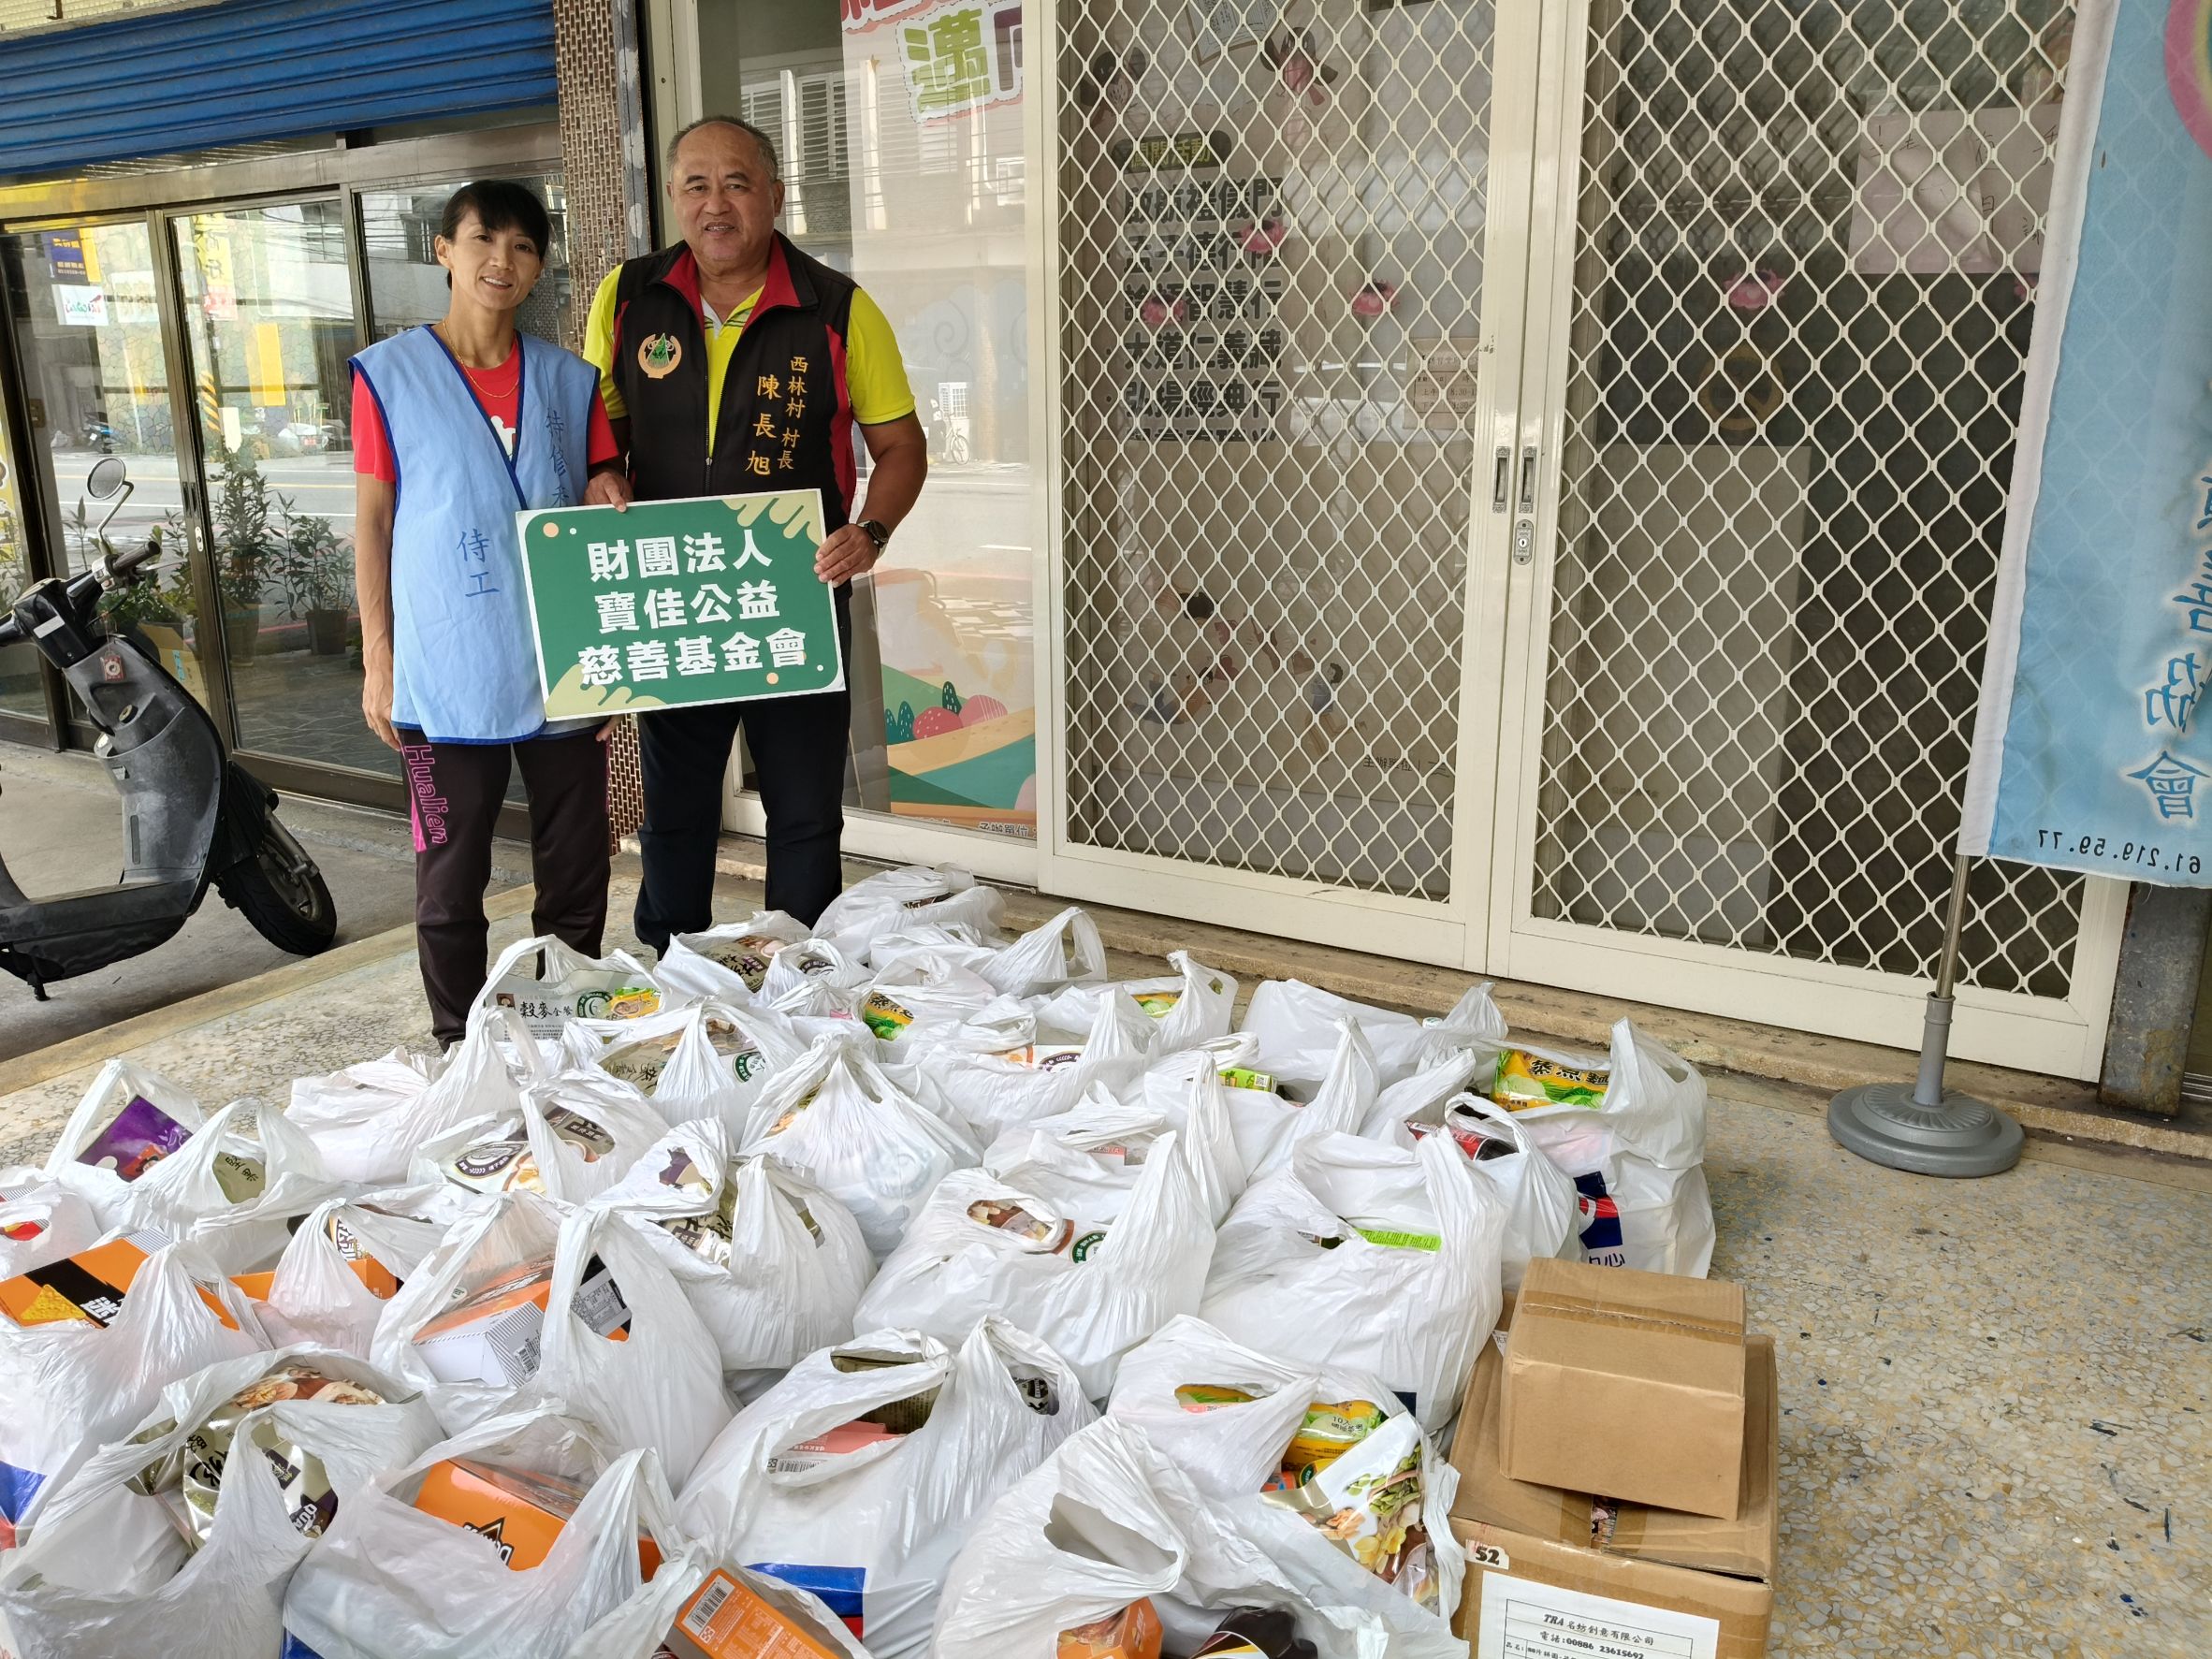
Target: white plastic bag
{"x": 1008, "y": 1066}
{"x": 1108, "y": 1521}
{"x": 897, "y": 900}
{"x": 703, "y": 1059}
{"x": 1367, "y": 1258}
{"x": 1267, "y": 1118}
{"x": 811, "y": 962}
{"x": 1092, "y": 1268}
{"x": 328, "y": 1109}
{"x": 836, "y": 1120}
{"x": 512, "y": 1228}
{"x": 772, "y": 1264}
{"x": 235, "y": 1188}
{"x": 100, "y": 1569}
{"x": 316, "y": 1297}
{"x": 1102, "y": 1142}
{"x": 1297, "y": 1026}
{"x": 661, "y": 1386}
{"x": 726, "y": 963}
{"x": 79, "y": 1162}
{"x": 569, "y": 986}
{"x": 1396, "y": 1558}
{"x": 72, "y": 1380}
{"x": 1193, "y": 1005}
{"x": 369, "y": 1135}
{"x": 857, "y": 1476}
{"x": 1544, "y": 1215}
{"x": 392, "y": 1581}
{"x": 44, "y": 1221}
{"x": 920, "y": 998}
{"x": 1065, "y": 951}
{"x": 571, "y": 1137}
{"x": 1637, "y": 1159}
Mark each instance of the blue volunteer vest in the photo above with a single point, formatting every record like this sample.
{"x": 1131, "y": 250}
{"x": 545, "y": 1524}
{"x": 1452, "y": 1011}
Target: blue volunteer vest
{"x": 464, "y": 669}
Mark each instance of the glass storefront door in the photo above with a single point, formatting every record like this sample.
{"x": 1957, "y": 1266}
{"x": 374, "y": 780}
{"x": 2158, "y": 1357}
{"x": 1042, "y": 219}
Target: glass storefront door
{"x": 268, "y": 323}
{"x": 94, "y": 359}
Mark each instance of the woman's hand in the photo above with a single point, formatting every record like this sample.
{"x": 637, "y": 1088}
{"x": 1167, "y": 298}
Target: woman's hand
{"x": 376, "y": 696}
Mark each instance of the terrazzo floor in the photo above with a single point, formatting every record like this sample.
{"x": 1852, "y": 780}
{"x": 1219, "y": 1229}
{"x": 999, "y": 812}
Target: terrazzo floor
{"x": 1994, "y": 1394}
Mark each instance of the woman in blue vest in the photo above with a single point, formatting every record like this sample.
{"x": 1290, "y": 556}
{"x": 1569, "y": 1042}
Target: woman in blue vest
{"x": 457, "y": 427}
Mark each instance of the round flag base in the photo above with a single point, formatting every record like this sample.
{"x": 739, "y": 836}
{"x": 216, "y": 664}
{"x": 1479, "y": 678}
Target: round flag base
{"x": 1962, "y": 1137}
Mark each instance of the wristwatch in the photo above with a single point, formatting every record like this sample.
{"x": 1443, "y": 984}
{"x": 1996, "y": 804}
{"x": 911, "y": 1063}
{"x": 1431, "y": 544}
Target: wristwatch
{"x": 879, "y": 533}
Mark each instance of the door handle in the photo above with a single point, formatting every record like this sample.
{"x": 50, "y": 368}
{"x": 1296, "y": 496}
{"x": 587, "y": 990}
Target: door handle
{"x": 1499, "y": 479}
{"x": 1528, "y": 478}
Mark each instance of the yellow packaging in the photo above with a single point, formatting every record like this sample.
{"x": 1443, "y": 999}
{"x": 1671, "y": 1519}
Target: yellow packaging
{"x": 1526, "y": 1079}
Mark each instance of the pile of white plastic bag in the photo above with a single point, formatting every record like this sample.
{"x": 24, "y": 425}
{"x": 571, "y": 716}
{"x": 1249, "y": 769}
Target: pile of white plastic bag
{"x": 912, "y": 1282}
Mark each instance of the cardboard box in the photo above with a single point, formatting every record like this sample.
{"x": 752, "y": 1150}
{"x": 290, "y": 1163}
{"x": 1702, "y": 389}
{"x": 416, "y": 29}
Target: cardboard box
{"x": 1678, "y": 1584}
{"x": 1629, "y": 1384}
{"x": 519, "y": 1511}
{"x": 494, "y": 1335}
{"x": 727, "y": 1620}
{"x": 375, "y": 1278}
{"x": 89, "y": 1286}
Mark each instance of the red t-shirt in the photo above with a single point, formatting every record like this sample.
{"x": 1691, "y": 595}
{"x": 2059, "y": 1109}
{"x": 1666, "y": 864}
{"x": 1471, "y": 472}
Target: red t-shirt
{"x": 499, "y": 392}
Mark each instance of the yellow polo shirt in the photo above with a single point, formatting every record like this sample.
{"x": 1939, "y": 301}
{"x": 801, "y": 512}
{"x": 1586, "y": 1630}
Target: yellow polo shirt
{"x": 875, "y": 374}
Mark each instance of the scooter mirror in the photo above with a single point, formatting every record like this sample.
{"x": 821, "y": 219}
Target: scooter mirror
{"x": 108, "y": 477}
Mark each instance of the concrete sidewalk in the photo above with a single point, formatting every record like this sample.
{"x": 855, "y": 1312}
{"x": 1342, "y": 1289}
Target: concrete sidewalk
{"x": 1994, "y": 1392}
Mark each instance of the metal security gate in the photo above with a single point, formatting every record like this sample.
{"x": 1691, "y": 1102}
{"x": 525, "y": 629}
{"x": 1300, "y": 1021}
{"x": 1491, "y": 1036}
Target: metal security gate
{"x": 1528, "y": 488}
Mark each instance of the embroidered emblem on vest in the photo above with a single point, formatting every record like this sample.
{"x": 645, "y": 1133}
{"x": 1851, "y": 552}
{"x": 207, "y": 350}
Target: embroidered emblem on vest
{"x": 657, "y": 353}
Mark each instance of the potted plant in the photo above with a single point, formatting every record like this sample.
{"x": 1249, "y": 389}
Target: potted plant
{"x": 246, "y": 547}
{"x": 316, "y": 571}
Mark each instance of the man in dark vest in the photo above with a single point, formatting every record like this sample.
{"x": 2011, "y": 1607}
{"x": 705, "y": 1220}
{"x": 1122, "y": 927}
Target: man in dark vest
{"x": 731, "y": 364}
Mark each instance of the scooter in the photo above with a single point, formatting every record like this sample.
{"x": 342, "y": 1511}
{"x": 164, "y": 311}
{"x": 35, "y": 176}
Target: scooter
{"x": 191, "y": 814}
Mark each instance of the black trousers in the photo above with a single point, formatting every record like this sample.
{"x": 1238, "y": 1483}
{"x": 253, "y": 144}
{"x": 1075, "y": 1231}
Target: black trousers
{"x": 454, "y": 790}
{"x": 798, "y": 747}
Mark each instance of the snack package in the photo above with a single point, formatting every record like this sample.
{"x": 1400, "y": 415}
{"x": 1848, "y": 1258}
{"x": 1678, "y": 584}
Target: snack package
{"x": 1133, "y": 1632}
{"x": 572, "y": 987}
{"x": 1364, "y": 1496}
{"x": 134, "y": 1140}
{"x": 188, "y": 1475}
{"x": 126, "y": 1123}
{"x": 728, "y": 1619}
{"x": 502, "y": 1162}
{"x": 494, "y": 1336}
{"x": 729, "y": 962}
{"x": 90, "y": 1286}
{"x": 1529, "y": 1077}
{"x": 520, "y": 1513}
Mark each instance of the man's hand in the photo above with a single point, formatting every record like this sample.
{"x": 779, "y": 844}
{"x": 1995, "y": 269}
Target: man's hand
{"x": 608, "y": 488}
{"x": 848, "y": 553}
{"x": 376, "y": 696}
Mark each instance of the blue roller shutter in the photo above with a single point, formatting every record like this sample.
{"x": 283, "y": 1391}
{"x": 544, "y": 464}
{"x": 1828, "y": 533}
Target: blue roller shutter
{"x": 258, "y": 69}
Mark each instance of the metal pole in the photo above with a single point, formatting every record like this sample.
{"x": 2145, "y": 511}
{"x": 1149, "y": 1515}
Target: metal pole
{"x": 1926, "y": 1129}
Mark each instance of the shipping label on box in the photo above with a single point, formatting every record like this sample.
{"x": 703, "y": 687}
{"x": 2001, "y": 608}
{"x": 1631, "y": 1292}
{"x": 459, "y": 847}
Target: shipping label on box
{"x": 1523, "y": 1619}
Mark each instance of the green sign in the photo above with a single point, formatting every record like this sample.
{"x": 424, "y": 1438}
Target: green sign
{"x": 712, "y": 600}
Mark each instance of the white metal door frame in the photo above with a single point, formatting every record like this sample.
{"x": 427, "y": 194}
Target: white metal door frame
{"x": 2061, "y": 1035}
{"x": 1438, "y": 931}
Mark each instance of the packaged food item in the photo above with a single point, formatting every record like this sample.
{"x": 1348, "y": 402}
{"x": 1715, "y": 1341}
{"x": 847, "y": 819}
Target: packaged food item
{"x": 1038, "y": 1233}
{"x": 506, "y": 1163}
{"x": 1263, "y": 1083}
{"x": 1158, "y": 1004}
{"x": 1526, "y": 1079}
{"x": 883, "y": 1016}
{"x": 1257, "y": 1633}
{"x": 746, "y": 956}
{"x": 187, "y": 1478}
{"x": 841, "y": 1441}
{"x": 1134, "y": 1633}
{"x": 640, "y": 1063}
{"x": 1042, "y": 1056}
{"x": 1331, "y": 1428}
{"x": 1194, "y": 1397}
{"x": 89, "y": 1286}
{"x": 241, "y": 1179}
{"x": 135, "y": 1140}
{"x": 1366, "y": 1500}
{"x": 493, "y": 1335}
{"x": 727, "y": 1620}
{"x": 518, "y": 1510}
{"x": 377, "y": 1279}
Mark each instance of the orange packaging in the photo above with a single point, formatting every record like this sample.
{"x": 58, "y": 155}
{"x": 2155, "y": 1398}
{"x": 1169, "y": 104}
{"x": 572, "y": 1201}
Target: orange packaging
{"x": 374, "y": 1277}
{"x": 88, "y": 1286}
{"x": 493, "y": 1337}
{"x": 1134, "y": 1633}
{"x": 519, "y": 1511}
{"x": 724, "y": 1620}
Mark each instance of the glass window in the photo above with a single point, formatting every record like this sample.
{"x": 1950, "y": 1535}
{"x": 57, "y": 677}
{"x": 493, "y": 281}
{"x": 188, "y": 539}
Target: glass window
{"x": 406, "y": 283}
{"x": 909, "y": 171}
{"x": 20, "y": 690}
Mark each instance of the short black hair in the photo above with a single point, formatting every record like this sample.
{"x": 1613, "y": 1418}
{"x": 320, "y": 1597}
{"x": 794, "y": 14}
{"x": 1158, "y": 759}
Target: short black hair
{"x": 500, "y": 204}
{"x": 767, "y": 144}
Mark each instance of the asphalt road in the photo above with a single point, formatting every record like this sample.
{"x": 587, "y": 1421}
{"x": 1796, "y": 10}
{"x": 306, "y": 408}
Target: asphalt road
{"x": 321, "y": 484}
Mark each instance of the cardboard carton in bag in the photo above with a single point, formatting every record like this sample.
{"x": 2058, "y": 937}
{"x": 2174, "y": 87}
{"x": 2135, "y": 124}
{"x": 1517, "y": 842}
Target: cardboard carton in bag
{"x": 1628, "y": 1384}
{"x": 1632, "y": 1581}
